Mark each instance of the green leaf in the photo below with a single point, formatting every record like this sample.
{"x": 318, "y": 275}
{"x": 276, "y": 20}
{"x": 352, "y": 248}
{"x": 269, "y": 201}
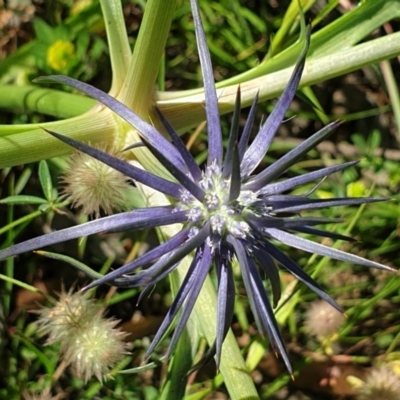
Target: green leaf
{"x": 23, "y": 221}
{"x": 22, "y": 180}
{"x": 45, "y": 180}
{"x": 44, "y": 360}
{"x": 353, "y": 26}
{"x": 75, "y": 263}
{"x": 23, "y": 199}
{"x": 43, "y": 31}
{"x": 175, "y": 382}
{"x": 16, "y": 282}
{"x": 142, "y": 368}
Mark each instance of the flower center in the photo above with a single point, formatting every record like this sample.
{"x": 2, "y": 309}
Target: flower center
{"x": 225, "y": 217}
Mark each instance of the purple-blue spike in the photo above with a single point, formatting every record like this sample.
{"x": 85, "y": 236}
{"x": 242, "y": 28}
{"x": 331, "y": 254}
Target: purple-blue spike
{"x": 145, "y": 276}
{"x": 162, "y": 185}
{"x": 267, "y": 315}
{"x": 259, "y": 301}
{"x": 201, "y": 274}
{"x": 190, "y": 162}
{"x": 245, "y": 137}
{"x": 188, "y": 282}
{"x": 287, "y": 222}
{"x": 293, "y": 204}
{"x": 323, "y": 233}
{"x": 316, "y": 248}
{"x": 146, "y": 130}
{"x": 288, "y": 184}
{"x": 292, "y": 267}
{"x": 180, "y": 176}
{"x": 262, "y": 141}
{"x": 235, "y": 183}
{"x": 225, "y": 306}
{"x": 270, "y": 269}
{"x": 148, "y": 283}
{"x": 232, "y": 141}
{"x": 225, "y": 303}
{"x": 211, "y": 105}
{"x": 277, "y": 168}
{"x": 149, "y": 256}
{"x": 137, "y": 219}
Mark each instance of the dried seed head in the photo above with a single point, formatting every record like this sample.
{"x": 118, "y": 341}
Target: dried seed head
{"x": 97, "y": 349}
{"x": 381, "y": 383}
{"x": 93, "y": 185}
{"x": 322, "y": 320}
{"x": 45, "y": 395}
{"x": 68, "y": 314}
{"x": 88, "y": 342}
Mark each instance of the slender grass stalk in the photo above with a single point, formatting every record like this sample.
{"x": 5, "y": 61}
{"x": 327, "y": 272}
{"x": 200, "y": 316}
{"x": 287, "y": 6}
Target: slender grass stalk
{"x": 393, "y": 91}
{"x": 10, "y": 262}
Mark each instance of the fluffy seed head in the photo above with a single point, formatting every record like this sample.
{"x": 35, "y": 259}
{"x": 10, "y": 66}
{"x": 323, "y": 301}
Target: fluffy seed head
{"x": 381, "y": 383}
{"x": 88, "y": 342}
{"x": 45, "y": 395}
{"x": 322, "y": 320}
{"x": 93, "y": 185}
{"x": 67, "y": 315}
{"x": 97, "y": 349}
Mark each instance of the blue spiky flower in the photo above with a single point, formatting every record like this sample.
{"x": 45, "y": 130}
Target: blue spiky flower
{"x": 226, "y": 210}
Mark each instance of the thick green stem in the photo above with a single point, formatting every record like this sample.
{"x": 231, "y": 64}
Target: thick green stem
{"x": 44, "y": 101}
{"x": 120, "y": 52}
{"x": 183, "y": 112}
{"x": 185, "y": 109}
{"x": 138, "y": 88}
{"x": 34, "y": 145}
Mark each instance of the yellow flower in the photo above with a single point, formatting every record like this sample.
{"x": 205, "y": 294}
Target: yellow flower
{"x": 60, "y": 54}
{"x": 356, "y": 189}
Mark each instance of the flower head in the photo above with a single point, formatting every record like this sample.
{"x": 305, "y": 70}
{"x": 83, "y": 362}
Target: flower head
{"x": 97, "y": 348}
{"x": 380, "y": 383}
{"x": 322, "y": 320}
{"x": 66, "y": 315}
{"x": 88, "y": 342}
{"x": 60, "y": 54}
{"x": 226, "y": 210}
{"x": 45, "y": 395}
{"x": 93, "y": 185}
